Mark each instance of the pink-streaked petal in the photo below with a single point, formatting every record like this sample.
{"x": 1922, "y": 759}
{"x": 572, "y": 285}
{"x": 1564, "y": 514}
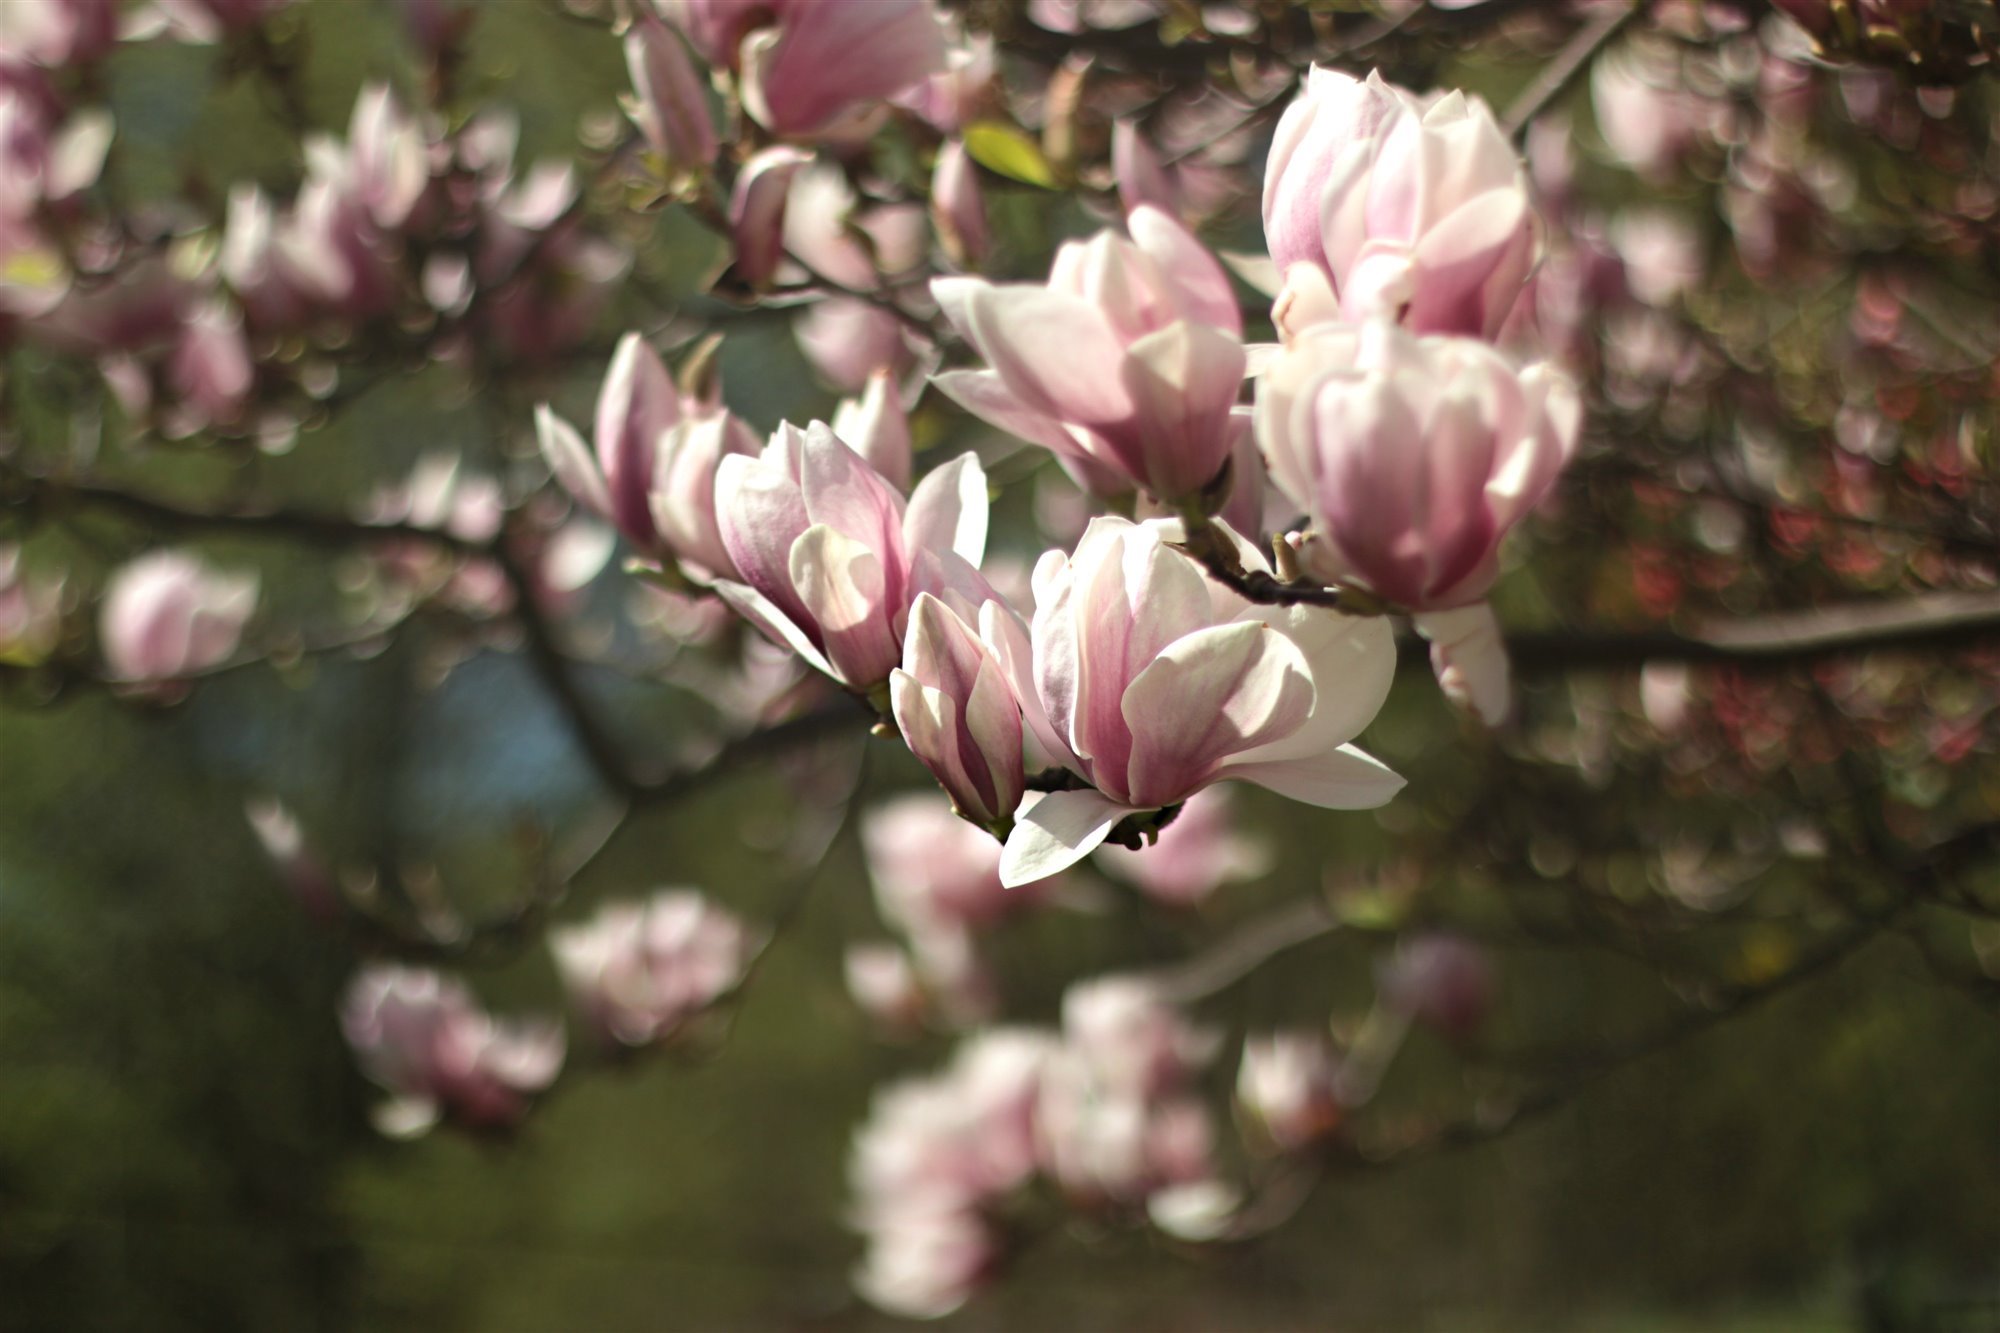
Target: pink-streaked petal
{"x": 843, "y": 584}
{"x": 569, "y": 458}
{"x": 1469, "y": 656}
{"x": 1212, "y": 694}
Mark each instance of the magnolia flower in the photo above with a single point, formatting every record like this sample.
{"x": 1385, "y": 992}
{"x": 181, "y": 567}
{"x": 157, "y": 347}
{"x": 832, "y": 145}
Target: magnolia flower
{"x": 168, "y": 615}
{"x": 958, "y": 206}
{"x": 933, "y": 1155}
{"x": 863, "y": 249}
{"x": 1376, "y": 203}
{"x": 1115, "y": 1117}
{"x": 1445, "y": 982}
{"x": 1126, "y": 365}
{"x": 1413, "y": 458}
{"x": 669, "y": 103}
{"x": 757, "y": 211}
{"x": 827, "y": 62}
{"x": 876, "y": 427}
{"x": 957, "y": 710}
{"x": 831, "y": 557}
{"x": 425, "y": 1039}
{"x": 654, "y": 471}
{"x": 56, "y": 33}
{"x": 932, "y": 871}
{"x": 1285, "y": 1085}
{"x": 1150, "y": 681}
{"x": 637, "y": 972}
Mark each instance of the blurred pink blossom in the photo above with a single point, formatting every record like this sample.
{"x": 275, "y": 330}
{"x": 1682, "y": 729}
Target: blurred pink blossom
{"x": 423, "y": 1037}
{"x": 168, "y": 615}
{"x": 638, "y": 972}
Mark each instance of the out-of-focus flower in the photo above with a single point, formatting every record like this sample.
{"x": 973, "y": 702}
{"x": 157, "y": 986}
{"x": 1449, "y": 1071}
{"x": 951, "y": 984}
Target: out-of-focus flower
{"x": 1445, "y": 982}
{"x": 1126, "y": 364}
{"x": 653, "y": 474}
{"x": 639, "y": 972}
{"x": 1142, "y": 177}
{"x": 830, "y": 555}
{"x": 934, "y": 1156}
{"x": 1285, "y": 1086}
{"x": 669, "y": 103}
{"x": 1645, "y": 114}
{"x": 826, "y": 62}
{"x": 1661, "y": 253}
{"x": 958, "y": 207}
{"x": 30, "y": 612}
{"x": 1194, "y": 856}
{"x": 1376, "y": 203}
{"x": 876, "y": 427}
{"x": 168, "y": 615}
{"x": 210, "y": 372}
{"x": 306, "y": 876}
{"x": 424, "y": 1038}
{"x": 1115, "y": 1119}
{"x": 1084, "y": 15}
{"x": 934, "y": 871}
{"x": 757, "y": 208}
{"x": 58, "y": 33}
{"x": 954, "y": 96}
{"x": 1132, "y": 639}
{"x": 881, "y": 979}
{"x": 1413, "y": 457}
{"x": 862, "y": 249}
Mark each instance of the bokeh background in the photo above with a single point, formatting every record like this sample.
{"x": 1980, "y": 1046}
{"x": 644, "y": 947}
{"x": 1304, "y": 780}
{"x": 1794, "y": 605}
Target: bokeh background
{"x": 184, "y": 1141}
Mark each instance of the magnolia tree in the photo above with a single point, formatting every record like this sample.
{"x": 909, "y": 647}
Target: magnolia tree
{"x": 1194, "y": 377}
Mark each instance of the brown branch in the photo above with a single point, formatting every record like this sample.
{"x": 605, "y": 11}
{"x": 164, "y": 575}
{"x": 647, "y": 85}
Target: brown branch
{"x": 1570, "y": 64}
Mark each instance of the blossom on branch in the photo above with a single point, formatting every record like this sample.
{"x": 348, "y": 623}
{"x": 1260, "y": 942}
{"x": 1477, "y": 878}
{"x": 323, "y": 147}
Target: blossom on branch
{"x": 1378, "y": 202}
{"x": 1151, "y": 681}
{"x": 639, "y": 972}
{"x": 1126, "y": 365}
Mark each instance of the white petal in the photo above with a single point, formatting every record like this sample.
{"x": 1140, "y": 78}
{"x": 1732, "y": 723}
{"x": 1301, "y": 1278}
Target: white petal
{"x": 1055, "y": 830}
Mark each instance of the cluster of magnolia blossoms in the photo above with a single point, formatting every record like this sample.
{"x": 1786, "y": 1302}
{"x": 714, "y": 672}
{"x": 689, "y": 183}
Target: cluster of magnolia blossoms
{"x": 1105, "y": 1110}
{"x": 638, "y": 975}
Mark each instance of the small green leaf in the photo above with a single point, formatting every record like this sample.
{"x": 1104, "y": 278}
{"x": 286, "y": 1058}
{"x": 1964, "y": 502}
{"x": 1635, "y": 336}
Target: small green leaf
{"x": 999, "y": 147}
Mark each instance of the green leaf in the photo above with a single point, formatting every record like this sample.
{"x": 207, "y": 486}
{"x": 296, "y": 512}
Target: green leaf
{"x": 999, "y": 147}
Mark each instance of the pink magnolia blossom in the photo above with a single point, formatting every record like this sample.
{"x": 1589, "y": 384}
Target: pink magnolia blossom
{"x": 639, "y": 972}
{"x": 956, "y": 708}
{"x": 830, "y": 555}
{"x": 1376, "y": 202}
{"x": 669, "y": 101}
{"x": 932, "y": 871}
{"x": 824, "y": 63}
{"x": 958, "y": 206}
{"x": 1286, "y": 1087}
{"x": 1445, "y": 982}
{"x": 957, "y": 94}
{"x": 1126, "y": 364}
{"x": 1116, "y": 1118}
{"x": 876, "y": 427}
{"x": 58, "y": 33}
{"x": 168, "y": 615}
{"x": 424, "y": 1038}
{"x": 1413, "y": 457}
{"x": 1150, "y": 681}
{"x": 210, "y": 371}
{"x": 1194, "y": 856}
{"x": 863, "y": 249}
{"x": 653, "y": 472}
{"x": 935, "y": 1156}
{"x": 884, "y": 983}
